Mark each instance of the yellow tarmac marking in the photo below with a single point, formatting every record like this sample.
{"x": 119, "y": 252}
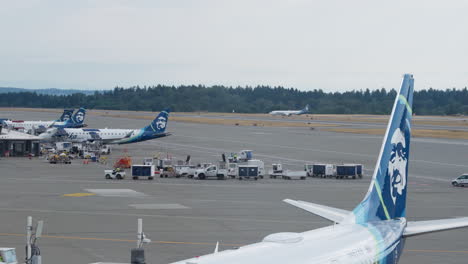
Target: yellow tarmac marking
{"x": 201, "y": 243}
{"x": 79, "y": 194}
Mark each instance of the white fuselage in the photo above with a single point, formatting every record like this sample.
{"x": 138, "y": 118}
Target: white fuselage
{"x": 29, "y": 125}
{"x": 285, "y": 112}
{"x": 104, "y": 135}
{"x": 338, "y": 244}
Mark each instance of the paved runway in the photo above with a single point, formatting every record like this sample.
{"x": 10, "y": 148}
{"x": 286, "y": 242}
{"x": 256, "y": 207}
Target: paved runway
{"x": 185, "y": 218}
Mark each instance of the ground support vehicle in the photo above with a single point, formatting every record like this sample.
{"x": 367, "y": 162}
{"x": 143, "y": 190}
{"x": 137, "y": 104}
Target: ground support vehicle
{"x": 168, "y": 172}
{"x": 461, "y": 181}
{"x": 184, "y": 171}
{"x": 349, "y": 171}
{"x": 277, "y": 171}
{"x": 61, "y": 158}
{"x": 294, "y": 175}
{"x": 123, "y": 163}
{"x": 63, "y": 146}
{"x": 233, "y": 170}
{"x": 149, "y": 171}
{"x": 191, "y": 171}
{"x": 114, "y": 174}
{"x": 214, "y": 171}
{"x": 105, "y": 150}
{"x": 8, "y": 256}
{"x": 248, "y": 172}
{"x": 320, "y": 170}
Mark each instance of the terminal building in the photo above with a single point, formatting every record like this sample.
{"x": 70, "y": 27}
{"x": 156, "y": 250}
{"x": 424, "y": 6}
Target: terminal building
{"x": 17, "y": 144}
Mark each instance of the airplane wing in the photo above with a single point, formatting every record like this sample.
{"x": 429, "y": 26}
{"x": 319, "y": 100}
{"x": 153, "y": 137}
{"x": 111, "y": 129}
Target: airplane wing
{"x": 423, "y": 227}
{"x": 333, "y": 214}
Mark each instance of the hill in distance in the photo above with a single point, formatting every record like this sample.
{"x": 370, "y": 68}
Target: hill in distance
{"x": 47, "y": 91}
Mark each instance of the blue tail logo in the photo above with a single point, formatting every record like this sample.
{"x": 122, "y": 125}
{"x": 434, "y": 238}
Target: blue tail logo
{"x": 67, "y": 114}
{"x": 159, "y": 123}
{"x": 79, "y": 116}
{"x": 386, "y": 198}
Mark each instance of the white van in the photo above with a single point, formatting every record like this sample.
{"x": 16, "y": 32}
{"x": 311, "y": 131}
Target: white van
{"x": 461, "y": 181}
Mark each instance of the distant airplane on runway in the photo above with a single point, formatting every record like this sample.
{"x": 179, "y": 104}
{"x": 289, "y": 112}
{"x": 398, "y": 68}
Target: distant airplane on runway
{"x": 290, "y": 112}
{"x": 154, "y": 130}
{"x": 39, "y": 126}
{"x": 374, "y": 232}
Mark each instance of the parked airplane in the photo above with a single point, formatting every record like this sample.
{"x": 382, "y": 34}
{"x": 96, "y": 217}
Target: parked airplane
{"x": 374, "y": 232}
{"x": 39, "y": 126}
{"x": 154, "y": 130}
{"x": 290, "y": 112}
{"x": 67, "y": 114}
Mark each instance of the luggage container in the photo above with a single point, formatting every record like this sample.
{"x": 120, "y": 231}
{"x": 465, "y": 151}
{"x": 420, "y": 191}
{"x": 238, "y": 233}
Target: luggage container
{"x": 248, "y": 172}
{"x": 233, "y": 167}
{"x": 320, "y": 170}
{"x": 349, "y": 170}
{"x": 148, "y": 171}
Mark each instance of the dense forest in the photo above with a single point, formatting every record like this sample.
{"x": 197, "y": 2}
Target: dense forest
{"x": 261, "y": 99}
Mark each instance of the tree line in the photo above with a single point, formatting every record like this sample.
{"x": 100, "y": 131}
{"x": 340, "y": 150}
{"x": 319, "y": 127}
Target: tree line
{"x": 260, "y": 99}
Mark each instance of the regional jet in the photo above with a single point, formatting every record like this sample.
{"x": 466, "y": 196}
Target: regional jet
{"x": 154, "y": 130}
{"x": 67, "y": 114}
{"x": 39, "y": 126}
{"x": 290, "y": 112}
{"x": 374, "y": 232}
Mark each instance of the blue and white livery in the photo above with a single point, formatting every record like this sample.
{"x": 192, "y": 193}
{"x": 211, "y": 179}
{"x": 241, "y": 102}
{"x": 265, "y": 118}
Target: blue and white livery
{"x": 374, "y": 232}
{"x": 154, "y": 130}
{"x": 37, "y": 127}
{"x": 67, "y": 114}
{"x": 290, "y": 112}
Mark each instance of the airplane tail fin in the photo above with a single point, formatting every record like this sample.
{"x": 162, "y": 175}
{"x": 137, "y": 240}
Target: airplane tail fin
{"x": 305, "y": 110}
{"x": 78, "y": 117}
{"x": 66, "y": 115}
{"x": 159, "y": 123}
{"x": 386, "y": 197}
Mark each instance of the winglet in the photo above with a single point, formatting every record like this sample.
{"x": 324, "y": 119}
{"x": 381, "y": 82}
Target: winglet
{"x": 216, "y": 248}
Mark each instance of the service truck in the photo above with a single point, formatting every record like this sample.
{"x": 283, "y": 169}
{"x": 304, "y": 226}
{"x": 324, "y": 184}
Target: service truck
{"x": 219, "y": 172}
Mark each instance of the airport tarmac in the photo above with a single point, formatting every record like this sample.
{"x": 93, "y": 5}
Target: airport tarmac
{"x": 186, "y": 218}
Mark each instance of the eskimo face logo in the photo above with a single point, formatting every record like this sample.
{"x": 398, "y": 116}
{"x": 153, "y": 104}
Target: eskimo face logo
{"x": 80, "y": 117}
{"x": 66, "y": 117}
{"x": 397, "y": 165}
{"x": 161, "y": 123}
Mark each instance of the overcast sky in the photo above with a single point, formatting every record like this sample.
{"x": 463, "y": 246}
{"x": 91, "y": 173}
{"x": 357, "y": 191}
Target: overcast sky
{"x": 334, "y": 45}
